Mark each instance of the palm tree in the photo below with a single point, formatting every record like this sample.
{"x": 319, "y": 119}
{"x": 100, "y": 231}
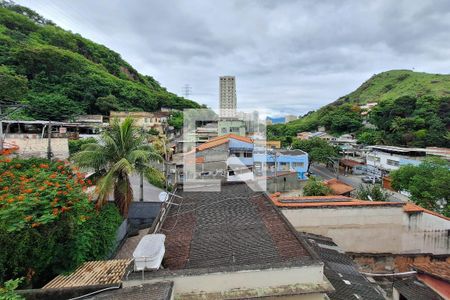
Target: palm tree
{"x": 122, "y": 150}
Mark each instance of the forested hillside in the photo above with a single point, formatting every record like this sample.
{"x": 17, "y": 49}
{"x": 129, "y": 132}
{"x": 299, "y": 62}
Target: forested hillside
{"x": 413, "y": 110}
{"x": 58, "y": 74}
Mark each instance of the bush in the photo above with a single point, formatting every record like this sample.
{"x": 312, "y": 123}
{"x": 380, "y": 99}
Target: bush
{"x": 76, "y": 145}
{"x": 48, "y": 225}
{"x": 315, "y": 187}
{"x": 372, "y": 192}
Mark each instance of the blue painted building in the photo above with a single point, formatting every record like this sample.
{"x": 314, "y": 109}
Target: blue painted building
{"x": 283, "y": 161}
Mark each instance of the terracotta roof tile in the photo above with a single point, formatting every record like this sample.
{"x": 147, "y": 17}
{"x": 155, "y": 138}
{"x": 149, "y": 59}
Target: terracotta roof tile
{"x": 338, "y": 187}
{"x": 439, "y": 269}
{"x": 413, "y": 208}
{"x": 326, "y": 201}
{"x": 222, "y": 140}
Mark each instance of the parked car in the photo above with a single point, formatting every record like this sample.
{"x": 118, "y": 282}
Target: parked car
{"x": 371, "y": 179}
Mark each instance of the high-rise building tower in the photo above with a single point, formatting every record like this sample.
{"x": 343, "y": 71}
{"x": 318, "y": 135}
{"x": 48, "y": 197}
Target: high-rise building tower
{"x": 228, "y": 103}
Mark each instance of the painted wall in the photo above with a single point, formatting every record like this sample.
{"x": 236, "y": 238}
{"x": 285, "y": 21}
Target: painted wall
{"x": 31, "y": 145}
{"x": 249, "y": 284}
{"x": 375, "y": 229}
{"x": 297, "y": 163}
{"x": 382, "y": 162}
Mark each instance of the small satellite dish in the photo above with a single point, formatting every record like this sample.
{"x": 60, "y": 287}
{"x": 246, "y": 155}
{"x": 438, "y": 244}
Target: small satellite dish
{"x": 163, "y": 196}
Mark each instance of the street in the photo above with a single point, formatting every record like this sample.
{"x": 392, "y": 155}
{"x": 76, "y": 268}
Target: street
{"x": 325, "y": 173}
{"x": 353, "y": 180}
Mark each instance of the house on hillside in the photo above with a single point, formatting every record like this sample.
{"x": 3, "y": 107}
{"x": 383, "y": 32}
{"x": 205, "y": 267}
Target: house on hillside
{"x": 228, "y": 157}
{"x": 143, "y": 119}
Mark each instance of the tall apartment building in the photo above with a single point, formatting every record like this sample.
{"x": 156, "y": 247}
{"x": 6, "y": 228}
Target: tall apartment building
{"x": 227, "y": 96}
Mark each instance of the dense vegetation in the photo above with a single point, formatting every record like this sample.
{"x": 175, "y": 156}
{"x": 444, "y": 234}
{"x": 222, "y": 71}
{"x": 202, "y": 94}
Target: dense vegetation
{"x": 59, "y": 74}
{"x": 318, "y": 150}
{"x": 427, "y": 183}
{"x": 413, "y": 110}
{"x": 48, "y": 224}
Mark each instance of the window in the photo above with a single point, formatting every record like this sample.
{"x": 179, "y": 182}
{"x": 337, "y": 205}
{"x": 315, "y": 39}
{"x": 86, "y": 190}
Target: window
{"x": 248, "y": 154}
{"x": 298, "y": 164}
{"x": 393, "y": 163}
{"x": 237, "y": 154}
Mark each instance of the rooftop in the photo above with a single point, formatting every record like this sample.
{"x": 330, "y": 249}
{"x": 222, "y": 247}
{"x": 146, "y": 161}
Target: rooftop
{"x": 104, "y": 272}
{"x": 342, "y": 272}
{"x": 223, "y": 139}
{"x": 437, "y": 269}
{"x": 338, "y": 187}
{"x": 413, "y": 289}
{"x": 231, "y": 228}
{"x": 326, "y": 201}
{"x": 155, "y": 291}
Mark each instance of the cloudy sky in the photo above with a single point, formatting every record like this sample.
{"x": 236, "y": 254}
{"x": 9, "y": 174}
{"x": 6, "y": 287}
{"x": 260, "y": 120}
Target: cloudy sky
{"x": 289, "y": 56}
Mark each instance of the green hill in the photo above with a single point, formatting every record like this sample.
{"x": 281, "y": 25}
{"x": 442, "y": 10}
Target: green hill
{"x": 59, "y": 74}
{"x": 413, "y": 110}
{"x": 396, "y": 83}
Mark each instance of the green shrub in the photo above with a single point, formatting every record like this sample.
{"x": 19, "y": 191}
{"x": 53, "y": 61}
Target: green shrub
{"x": 76, "y": 145}
{"x": 48, "y": 224}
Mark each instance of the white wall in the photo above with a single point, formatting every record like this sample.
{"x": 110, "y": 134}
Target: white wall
{"x": 309, "y": 280}
{"x": 375, "y": 229}
{"x": 37, "y": 147}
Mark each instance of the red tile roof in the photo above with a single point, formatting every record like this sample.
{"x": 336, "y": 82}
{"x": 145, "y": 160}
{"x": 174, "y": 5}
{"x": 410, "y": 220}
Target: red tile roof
{"x": 337, "y": 201}
{"x": 326, "y": 201}
{"x": 439, "y": 269}
{"x": 222, "y": 140}
{"x": 349, "y": 162}
{"x": 338, "y": 187}
{"x": 413, "y": 208}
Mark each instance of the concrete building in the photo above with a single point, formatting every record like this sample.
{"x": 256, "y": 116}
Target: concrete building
{"x": 146, "y": 120}
{"x": 228, "y": 157}
{"x": 233, "y": 244}
{"x": 389, "y": 158}
{"x": 281, "y": 161}
{"x": 369, "y": 226}
{"x": 231, "y": 126}
{"x": 227, "y": 95}
{"x": 306, "y": 135}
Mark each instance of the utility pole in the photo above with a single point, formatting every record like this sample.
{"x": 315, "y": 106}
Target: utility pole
{"x": 49, "y": 145}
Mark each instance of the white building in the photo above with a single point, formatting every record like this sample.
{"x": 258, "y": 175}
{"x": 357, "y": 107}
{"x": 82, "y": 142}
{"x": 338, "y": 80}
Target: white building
{"x": 390, "y": 158}
{"x": 228, "y": 103}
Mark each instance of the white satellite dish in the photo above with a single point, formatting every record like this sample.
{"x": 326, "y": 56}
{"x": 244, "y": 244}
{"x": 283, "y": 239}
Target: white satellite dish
{"x": 163, "y": 196}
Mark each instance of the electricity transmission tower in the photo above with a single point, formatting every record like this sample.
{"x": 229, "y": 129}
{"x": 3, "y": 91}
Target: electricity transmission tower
{"x": 186, "y": 90}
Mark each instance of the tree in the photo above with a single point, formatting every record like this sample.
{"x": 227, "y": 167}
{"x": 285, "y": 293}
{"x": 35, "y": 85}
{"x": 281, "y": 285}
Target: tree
{"x": 13, "y": 87}
{"x": 107, "y": 104}
{"x": 318, "y": 150}
{"x": 315, "y": 187}
{"x": 427, "y": 183}
{"x": 372, "y": 192}
{"x": 369, "y": 137}
{"x": 122, "y": 150}
{"x": 54, "y": 107}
